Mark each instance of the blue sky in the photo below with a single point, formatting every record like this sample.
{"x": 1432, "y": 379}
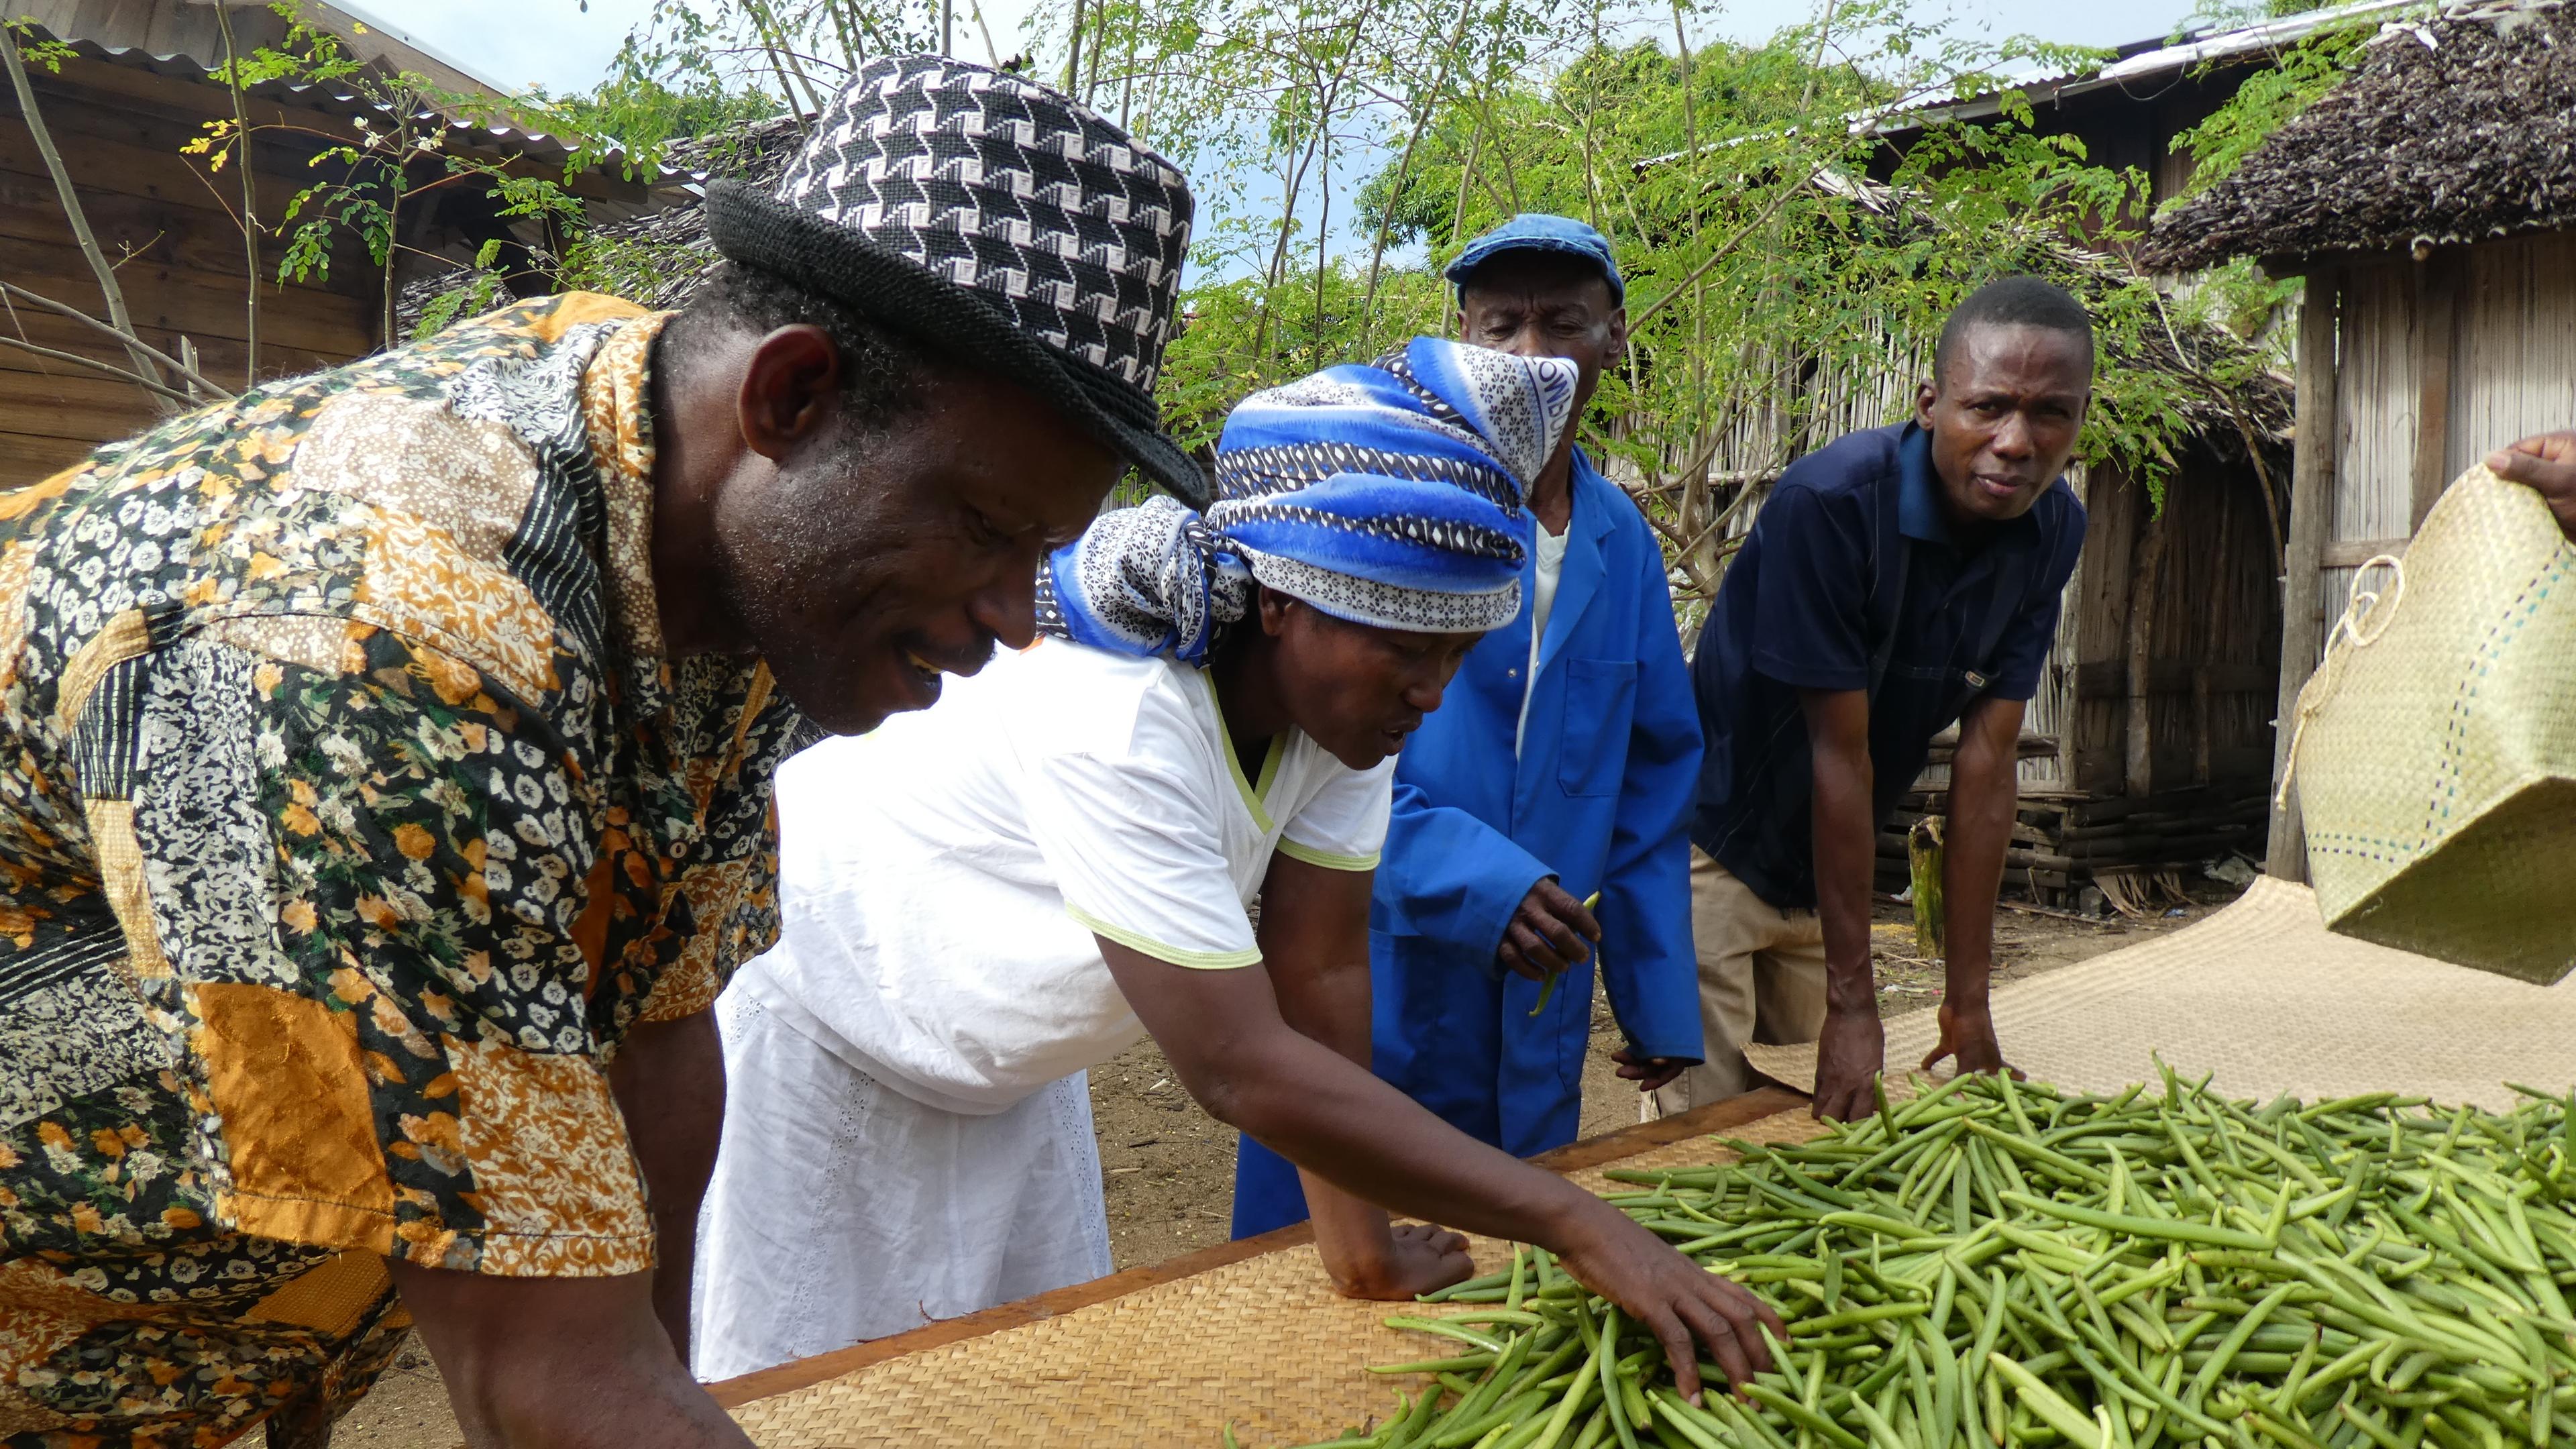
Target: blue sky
{"x": 553, "y": 43}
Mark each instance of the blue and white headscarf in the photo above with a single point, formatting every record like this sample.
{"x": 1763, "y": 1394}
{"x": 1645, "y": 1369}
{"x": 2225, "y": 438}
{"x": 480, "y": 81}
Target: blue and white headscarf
{"x": 1389, "y": 494}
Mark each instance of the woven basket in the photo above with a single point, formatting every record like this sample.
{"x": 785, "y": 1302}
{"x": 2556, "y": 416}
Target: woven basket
{"x": 2435, "y": 748}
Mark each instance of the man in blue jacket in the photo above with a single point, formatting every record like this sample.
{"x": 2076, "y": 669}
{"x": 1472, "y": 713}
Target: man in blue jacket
{"x": 1563, "y": 763}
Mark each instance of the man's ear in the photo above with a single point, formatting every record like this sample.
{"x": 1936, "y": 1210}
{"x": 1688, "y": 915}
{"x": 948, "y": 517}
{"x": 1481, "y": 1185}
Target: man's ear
{"x": 791, "y": 390}
{"x": 1925, "y": 394}
{"x": 1618, "y": 338}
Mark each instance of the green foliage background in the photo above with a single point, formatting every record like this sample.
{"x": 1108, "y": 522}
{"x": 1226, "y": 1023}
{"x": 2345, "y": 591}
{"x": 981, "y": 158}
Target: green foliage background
{"x": 1786, "y": 263}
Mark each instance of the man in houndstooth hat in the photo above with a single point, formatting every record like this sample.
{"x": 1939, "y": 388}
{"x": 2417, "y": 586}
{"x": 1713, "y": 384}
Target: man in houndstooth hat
{"x": 393, "y": 752}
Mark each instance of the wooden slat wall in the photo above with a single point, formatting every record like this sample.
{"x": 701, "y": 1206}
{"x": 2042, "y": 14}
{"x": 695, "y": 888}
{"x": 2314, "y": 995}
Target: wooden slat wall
{"x": 2213, "y": 630}
{"x": 179, "y": 261}
{"x": 2053, "y": 710}
{"x": 2516, "y": 373}
{"x": 2115, "y": 508}
{"x": 2377, "y": 393}
{"x": 2218, "y": 617}
{"x": 2508, "y": 346}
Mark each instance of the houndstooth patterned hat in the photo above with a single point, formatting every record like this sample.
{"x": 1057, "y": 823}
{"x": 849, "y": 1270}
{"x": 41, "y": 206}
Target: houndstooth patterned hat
{"x": 1002, "y": 224}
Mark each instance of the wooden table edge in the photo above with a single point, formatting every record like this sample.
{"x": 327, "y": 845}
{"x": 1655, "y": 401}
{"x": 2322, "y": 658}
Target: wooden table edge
{"x": 1591, "y": 1152}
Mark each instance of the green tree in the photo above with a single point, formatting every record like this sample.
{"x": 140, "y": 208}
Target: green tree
{"x": 1786, "y": 268}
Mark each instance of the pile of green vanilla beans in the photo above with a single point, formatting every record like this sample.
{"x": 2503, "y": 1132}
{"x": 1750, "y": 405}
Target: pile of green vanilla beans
{"x": 1999, "y": 1264}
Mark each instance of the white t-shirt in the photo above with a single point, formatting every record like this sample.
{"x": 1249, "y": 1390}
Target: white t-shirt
{"x": 1544, "y": 578}
{"x": 941, "y": 879}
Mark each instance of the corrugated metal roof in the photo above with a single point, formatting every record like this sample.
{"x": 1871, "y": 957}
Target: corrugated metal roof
{"x": 2139, "y": 62}
{"x": 112, "y": 31}
{"x": 192, "y": 28}
{"x": 2143, "y": 61}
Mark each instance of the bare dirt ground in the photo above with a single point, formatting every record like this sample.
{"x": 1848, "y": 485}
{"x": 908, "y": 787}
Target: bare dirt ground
{"x": 1170, "y": 1166}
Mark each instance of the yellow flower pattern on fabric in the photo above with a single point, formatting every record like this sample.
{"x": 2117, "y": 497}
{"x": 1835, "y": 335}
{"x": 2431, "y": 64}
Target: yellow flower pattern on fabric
{"x": 350, "y": 816}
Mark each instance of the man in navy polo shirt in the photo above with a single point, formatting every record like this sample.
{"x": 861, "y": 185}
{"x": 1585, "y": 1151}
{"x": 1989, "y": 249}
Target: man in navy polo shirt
{"x": 1898, "y": 581}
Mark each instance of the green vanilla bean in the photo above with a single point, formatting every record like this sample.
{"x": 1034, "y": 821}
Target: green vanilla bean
{"x": 1990, "y": 1265}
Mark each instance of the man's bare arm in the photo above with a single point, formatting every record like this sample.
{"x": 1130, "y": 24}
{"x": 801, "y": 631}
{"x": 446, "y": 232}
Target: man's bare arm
{"x": 1845, "y": 825}
{"x": 560, "y": 1363}
{"x": 1984, "y": 793}
{"x": 670, "y": 1085}
{"x": 1314, "y": 942}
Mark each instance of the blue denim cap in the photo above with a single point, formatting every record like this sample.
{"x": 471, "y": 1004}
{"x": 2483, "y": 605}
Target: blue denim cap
{"x": 1540, "y": 232}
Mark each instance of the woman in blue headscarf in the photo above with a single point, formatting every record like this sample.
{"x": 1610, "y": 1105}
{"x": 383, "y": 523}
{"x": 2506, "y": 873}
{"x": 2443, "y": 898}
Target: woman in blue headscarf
{"x": 985, "y": 899}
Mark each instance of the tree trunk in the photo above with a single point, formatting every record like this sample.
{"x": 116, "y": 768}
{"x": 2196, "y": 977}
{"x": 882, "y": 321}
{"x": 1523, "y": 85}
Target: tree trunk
{"x": 117, "y": 316}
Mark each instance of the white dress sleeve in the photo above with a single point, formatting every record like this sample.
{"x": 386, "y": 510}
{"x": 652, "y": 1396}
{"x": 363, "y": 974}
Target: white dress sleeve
{"x": 1344, "y": 826}
{"x": 1132, "y": 842}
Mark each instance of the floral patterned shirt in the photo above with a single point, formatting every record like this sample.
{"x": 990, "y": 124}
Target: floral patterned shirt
{"x": 352, "y": 813}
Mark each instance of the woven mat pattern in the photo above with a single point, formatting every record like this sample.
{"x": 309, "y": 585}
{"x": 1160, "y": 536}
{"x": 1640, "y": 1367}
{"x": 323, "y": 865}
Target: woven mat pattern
{"x": 2265, "y": 997}
{"x": 1264, "y": 1344}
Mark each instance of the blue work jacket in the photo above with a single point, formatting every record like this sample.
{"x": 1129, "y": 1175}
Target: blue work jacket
{"x": 1597, "y": 793}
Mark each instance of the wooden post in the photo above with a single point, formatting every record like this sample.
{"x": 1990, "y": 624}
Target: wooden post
{"x": 2312, "y": 486}
{"x": 2140, "y": 762}
{"x": 2437, "y": 304}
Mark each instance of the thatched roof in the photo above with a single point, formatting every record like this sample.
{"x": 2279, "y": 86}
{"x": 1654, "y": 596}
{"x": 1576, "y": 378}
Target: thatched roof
{"x": 2188, "y": 350}
{"x": 2458, "y": 129}
{"x": 671, "y": 252}
{"x": 755, "y": 153}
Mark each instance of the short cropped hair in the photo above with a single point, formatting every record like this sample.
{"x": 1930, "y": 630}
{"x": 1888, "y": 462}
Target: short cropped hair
{"x": 2021, "y": 301}
{"x": 885, "y": 374}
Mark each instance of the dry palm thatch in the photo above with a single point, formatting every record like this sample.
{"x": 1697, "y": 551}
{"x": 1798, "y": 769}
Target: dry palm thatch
{"x": 2457, "y": 129}
{"x": 657, "y": 258}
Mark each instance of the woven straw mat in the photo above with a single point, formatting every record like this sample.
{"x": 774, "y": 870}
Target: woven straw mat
{"x": 1264, "y": 1344}
{"x": 2262, "y": 995}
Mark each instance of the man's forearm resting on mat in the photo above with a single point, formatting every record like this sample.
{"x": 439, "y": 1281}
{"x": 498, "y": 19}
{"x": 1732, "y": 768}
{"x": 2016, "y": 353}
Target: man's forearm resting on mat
{"x": 560, "y": 1363}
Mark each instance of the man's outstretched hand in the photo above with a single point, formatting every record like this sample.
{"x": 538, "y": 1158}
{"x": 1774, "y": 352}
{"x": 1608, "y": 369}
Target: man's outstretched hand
{"x": 2546, "y": 464}
{"x": 1649, "y": 1073}
{"x": 1550, "y": 932}
{"x": 1968, "y": 1033}
{"x": 1849, "y": 1056}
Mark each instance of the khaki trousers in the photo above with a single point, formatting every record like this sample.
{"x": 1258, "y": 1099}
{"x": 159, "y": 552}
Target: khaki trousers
{"x": 1761, "y": 979}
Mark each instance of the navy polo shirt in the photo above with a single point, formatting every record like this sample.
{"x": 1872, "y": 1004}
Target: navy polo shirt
{"x": 1851, "y": 579}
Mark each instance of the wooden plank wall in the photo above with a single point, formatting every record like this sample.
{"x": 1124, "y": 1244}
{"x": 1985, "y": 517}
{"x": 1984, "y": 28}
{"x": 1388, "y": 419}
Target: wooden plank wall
{"x": 2214, "y": 639}
{"x": 2442, "y": 361}
{"x": 2213, "y": 631}
{"x": 2053, "y": 711}
{"x": 2098, "y": 602}
{"x": 2516, "y": 374}
{"x": 179, "y": 256}
{"x": 2378, "y": 401}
